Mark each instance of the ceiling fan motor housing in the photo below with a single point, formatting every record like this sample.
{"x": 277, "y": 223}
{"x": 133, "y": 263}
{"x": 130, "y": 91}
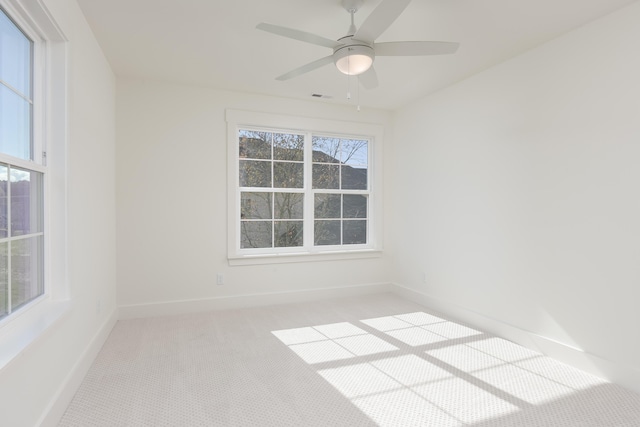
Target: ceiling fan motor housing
{"x": 353, "y": 58}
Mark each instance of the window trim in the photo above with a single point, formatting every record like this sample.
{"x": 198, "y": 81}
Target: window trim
{"x": 247, "y": 119}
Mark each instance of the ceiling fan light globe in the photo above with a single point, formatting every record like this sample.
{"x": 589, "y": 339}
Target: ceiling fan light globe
{"x": 354, "y": 64}
{"x": 354, "y": 60}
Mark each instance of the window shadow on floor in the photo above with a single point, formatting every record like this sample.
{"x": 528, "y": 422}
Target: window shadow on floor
{"x": 420, "y": 369}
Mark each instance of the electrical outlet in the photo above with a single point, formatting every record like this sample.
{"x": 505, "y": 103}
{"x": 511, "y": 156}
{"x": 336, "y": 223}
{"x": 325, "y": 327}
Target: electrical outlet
{"x": 219, "y": 279}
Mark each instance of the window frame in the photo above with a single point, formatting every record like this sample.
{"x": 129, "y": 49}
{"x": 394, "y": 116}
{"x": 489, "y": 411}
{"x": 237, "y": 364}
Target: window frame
{"x": 49, "y": 138}
{"x": 238, "y": 119}
{"x": 37, "y": 161}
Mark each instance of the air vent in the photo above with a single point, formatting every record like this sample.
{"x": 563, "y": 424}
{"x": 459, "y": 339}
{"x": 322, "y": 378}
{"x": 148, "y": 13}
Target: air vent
{"x": 319, "y": 95}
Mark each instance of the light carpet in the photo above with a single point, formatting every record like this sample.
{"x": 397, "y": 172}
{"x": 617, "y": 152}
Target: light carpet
{"x": 377, "y": 360}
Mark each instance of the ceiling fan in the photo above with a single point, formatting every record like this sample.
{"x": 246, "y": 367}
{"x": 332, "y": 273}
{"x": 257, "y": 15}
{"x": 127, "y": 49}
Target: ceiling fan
{"x": 354, "y": 53}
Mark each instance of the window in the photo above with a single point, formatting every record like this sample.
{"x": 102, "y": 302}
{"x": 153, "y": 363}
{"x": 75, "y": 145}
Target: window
{"x": 21, "y": 174}
{"x": 297, "y": 191}
{"x": 271, "y": 180}
{"x": 341, "y": 190}
{"x": 34, "y": 291}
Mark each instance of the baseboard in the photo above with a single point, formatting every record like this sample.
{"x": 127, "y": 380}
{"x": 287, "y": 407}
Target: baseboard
{"x": 625, "y": 376}
{"x": 54, "y": 412}
{"x": 170, "y": 308}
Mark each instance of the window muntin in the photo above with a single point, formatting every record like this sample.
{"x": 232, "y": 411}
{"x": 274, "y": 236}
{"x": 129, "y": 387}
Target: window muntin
{"x": 21, "y": 178}
{"x": 280, "y": 173}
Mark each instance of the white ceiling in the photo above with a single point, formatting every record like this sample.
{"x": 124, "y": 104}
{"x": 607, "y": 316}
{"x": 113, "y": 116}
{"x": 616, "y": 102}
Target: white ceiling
{"x": 214, "y": 43}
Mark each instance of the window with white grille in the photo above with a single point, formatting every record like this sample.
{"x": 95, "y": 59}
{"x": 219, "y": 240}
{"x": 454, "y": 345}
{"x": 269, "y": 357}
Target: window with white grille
{"x": 296, "y": 190}
{"x": 22, "y": 173}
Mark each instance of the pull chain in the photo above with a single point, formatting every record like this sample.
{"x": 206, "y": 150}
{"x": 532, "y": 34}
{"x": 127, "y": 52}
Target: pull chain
{"x": 348, "y": 80}
{"x": 358, "y": 91}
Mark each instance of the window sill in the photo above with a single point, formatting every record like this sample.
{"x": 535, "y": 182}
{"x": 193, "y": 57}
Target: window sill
{"x": 19, "y": 332}
{"x": 284, "y": 258}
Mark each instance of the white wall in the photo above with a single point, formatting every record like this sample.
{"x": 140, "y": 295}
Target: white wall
{"x": 172, "y": 203}
{"x": 37, "y": 384}
{"x": 516, "y": 193}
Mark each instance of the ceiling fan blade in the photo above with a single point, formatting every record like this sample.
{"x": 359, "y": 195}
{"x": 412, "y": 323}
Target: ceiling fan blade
{"x": 306, "y": 68}
{"x": 369, "y": 79}
{"x": 298, "y": 35}
{"x": 415, "y": 48}
{"x": 380, "y": 19}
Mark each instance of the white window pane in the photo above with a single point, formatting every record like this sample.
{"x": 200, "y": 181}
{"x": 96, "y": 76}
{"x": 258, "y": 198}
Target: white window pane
{"x": 254, "y": 145}
{"x": 327, "y": 232}
{"x": 255, "y": 173}
{"x": 354, "y": 206}
{"x": 354, "y": 232}
{"x": 289, "y": 205}
{"x": 288, "y": 147}
{"x": 256, "y": 205}
{"x": 326, "y": 150}
{"x": 354, "y": 178}
{"x": 326, "y": 176}
{"x": 288, "y": 175}
{"x": 354, "y": 152}
{"x": 26, "y": 270}
{"x": 256, "y": 234}
{"x": 15, "y": 124}
{"x": 26, "y": 202}
{"x": 327, "y": 205}
{"x": 15, "y": 57}
{"x": 288, "y": 234}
